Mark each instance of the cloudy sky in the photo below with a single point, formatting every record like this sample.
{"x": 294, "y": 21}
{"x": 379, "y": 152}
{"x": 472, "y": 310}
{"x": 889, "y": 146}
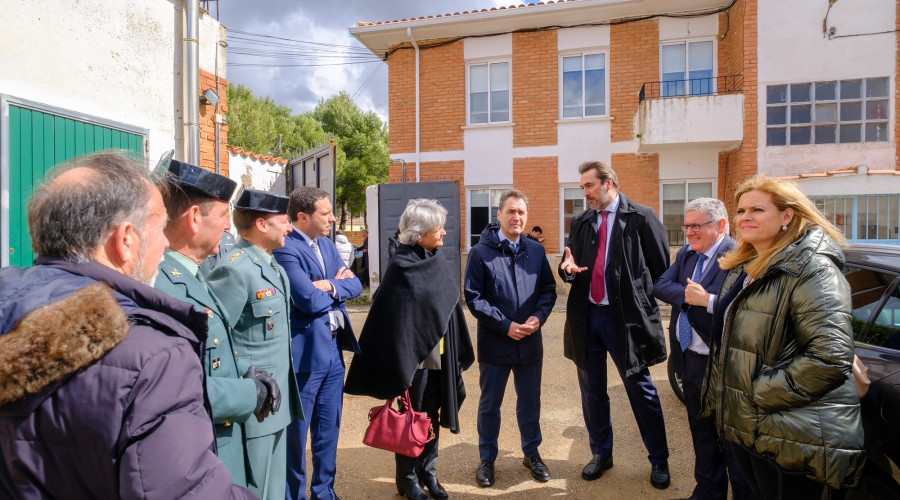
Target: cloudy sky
{"x": 286, "y": 49}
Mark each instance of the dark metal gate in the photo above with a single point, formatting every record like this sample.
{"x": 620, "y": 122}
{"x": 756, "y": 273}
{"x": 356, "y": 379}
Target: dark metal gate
{"x": 392, "y": 200}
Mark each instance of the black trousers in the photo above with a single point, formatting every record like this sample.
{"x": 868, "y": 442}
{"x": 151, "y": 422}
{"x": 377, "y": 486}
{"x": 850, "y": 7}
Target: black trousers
{"x": 770, "y": 482}
{"x": 425, "y": 393}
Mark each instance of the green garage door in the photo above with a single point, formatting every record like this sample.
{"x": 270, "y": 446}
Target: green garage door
{"x": 39, "y": 140}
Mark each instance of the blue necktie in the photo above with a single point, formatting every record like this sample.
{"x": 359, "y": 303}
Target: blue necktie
{"x": 514, "y": 247}
{"x": 684, "y": 324}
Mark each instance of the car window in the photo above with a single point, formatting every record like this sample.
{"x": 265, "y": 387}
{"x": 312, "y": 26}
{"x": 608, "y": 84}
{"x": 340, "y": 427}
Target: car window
{"x": 867, "y": 288}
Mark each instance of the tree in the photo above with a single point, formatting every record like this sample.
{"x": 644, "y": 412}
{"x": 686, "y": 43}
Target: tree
{"x": 257, "y": 123}
{"x": 362, "y": 158}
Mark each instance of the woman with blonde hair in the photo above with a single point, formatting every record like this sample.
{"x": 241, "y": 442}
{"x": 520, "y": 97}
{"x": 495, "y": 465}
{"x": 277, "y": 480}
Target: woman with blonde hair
{"x": 780, "y": 382}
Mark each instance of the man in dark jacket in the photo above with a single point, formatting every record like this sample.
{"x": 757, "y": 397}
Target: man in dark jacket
{"x": 692, "y": 285}
{"x": 623, "y": 249}
{"x": 101, "y": 383}
{"x": 511, "y": 291}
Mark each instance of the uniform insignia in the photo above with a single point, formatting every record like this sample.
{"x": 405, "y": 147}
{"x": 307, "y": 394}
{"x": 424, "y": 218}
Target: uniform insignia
{"x": 234, "y": 258}
{"x": 176, "y": 272}
{"x": 269, "y": 292}
{"x": 260, "y": 294}
{"x": 216, "y": 363}
{"x": 255, "y": 259}
{"x": 209, "y": 313}
{"x": 270, "y": 325}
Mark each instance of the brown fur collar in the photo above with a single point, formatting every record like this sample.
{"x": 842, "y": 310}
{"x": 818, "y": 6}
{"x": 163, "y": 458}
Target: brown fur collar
{"x": 56, "y": 340}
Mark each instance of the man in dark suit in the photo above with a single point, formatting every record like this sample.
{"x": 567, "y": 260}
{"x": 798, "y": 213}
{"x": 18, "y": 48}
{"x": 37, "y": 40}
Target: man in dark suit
{"x": 692, "y": 285}
{"x": 320, "y": 329}
{"x": 616, "y": 249}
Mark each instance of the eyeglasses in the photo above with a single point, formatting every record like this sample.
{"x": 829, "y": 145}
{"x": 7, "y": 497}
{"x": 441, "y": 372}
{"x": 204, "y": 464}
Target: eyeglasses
{"x": 693, "y": 227}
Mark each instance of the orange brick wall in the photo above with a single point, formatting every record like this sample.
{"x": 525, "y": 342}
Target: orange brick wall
{"x": 208, "y": 125}
{"x": 638, "y": 177}
{"x": 402, "y": 102}
{"x": 633, "y": 61}
{"x": 538, "y": 178}
{"x": 738, "y": 56}
{"x": 442, "y": 101}
{"x": 535, "y": 78}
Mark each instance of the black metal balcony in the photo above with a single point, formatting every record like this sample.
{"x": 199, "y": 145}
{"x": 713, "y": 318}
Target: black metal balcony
{"x": 716, "y": 85}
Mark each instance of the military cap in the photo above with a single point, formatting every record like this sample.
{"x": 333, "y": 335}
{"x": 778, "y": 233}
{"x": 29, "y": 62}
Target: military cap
{"x": 210, "y": 183}
{"x": 261, "y": 201}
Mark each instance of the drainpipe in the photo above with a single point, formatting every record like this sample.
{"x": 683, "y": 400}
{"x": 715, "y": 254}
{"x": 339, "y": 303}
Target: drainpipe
{"x": 192, "y": 70}
{"x": 418, "y": 152}
{"x": 223, "y": 44}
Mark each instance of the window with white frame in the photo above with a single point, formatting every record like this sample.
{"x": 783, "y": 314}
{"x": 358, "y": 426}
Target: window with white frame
{"x": 489, "y": 92}
{"x": 873, "y": 218}
{"x": 483, "y": 206}
{"x": 687, "y": 68}
{"x": 573, "y": 204}
{"x": 583, "y": 85}
{"x": 839, "y": 111}
{"x": 675, "y": 196}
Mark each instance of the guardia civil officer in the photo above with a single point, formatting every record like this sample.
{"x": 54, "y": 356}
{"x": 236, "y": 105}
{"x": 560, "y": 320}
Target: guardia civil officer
{"x": 197, "y": 204}
{"x": 255, "y": 294}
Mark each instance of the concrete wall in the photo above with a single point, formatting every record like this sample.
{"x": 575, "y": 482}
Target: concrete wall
{"x": 252, "y": 171}
{"x": 109, "y": 59}
{"x": 793, "y": 49}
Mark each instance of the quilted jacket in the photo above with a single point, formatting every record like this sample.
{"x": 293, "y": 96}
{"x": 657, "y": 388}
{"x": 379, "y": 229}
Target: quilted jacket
{"x": 781, "y": 382}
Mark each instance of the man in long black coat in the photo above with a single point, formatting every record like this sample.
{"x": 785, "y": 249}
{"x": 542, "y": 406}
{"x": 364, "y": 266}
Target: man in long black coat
{"x": 610, "y": 311}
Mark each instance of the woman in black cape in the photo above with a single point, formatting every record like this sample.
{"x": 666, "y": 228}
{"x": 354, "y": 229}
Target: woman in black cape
{"x": 415, "y": 337}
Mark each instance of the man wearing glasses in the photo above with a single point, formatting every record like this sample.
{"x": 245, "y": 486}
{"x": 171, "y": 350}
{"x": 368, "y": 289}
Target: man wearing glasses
{"x": 692, "y": 285}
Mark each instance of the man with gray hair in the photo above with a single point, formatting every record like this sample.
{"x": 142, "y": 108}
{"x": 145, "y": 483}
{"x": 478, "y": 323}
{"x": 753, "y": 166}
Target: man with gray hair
{"x": 511, "y": 291}
{"x": 101, "y": 381}
{"x": 691, "y": 285}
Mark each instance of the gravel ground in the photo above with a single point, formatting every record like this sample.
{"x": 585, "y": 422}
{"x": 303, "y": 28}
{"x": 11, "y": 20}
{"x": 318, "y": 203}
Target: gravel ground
{"x": 367, "y": 473}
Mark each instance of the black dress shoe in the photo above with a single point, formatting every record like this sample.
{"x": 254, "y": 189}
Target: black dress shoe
{"x": 538, "y": 470}
{"x": 594, "y": 469}
{"x": 484, "y": 476}
{"x": 659, "y": 476}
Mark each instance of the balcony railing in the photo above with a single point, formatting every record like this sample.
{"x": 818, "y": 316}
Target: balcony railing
{"x": 715, "y": 85}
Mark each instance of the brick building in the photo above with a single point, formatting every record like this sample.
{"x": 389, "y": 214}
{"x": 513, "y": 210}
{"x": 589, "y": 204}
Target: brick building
{"x": 683, "y": 99}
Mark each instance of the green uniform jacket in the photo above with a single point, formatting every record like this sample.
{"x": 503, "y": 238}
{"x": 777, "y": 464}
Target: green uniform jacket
{"x": 781, "y": 382}
{"x": 231, "y": 397}
{"x": 256, "y": 297}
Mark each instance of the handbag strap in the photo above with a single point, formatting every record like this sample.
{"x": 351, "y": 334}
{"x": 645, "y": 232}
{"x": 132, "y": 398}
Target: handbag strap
{"x": 407, "y": 400}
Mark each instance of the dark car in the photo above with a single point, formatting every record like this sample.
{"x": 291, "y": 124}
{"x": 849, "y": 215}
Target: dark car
{"x": 873, "y": 272}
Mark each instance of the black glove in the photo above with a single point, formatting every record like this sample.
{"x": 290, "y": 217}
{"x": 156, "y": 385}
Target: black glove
{"x": 274, "y": 392}
{"x": 263, "y": 402}
{"x": 271, "y": 402}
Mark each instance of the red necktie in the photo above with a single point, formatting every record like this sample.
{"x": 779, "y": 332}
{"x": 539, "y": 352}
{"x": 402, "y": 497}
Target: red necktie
{"x": 598, "y": 276}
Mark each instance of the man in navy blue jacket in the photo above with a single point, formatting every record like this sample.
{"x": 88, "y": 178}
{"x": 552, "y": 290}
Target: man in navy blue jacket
{"x": 692, "y": 285}
{"x": 510, "y": 290}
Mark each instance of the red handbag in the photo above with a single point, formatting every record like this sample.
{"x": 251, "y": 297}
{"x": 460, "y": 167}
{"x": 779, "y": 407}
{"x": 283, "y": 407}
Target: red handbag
{"x": 405, "y": 432}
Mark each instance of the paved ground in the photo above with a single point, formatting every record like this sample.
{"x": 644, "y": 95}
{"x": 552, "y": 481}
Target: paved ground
{"x": 366, "y": 473}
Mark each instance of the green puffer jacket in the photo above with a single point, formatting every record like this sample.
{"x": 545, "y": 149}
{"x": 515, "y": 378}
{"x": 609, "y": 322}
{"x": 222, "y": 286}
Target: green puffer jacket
{"x": 787, "y": 354}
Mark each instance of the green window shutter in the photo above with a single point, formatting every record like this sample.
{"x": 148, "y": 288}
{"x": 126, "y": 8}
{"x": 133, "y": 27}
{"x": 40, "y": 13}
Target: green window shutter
{"x": 39, "y": 140}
